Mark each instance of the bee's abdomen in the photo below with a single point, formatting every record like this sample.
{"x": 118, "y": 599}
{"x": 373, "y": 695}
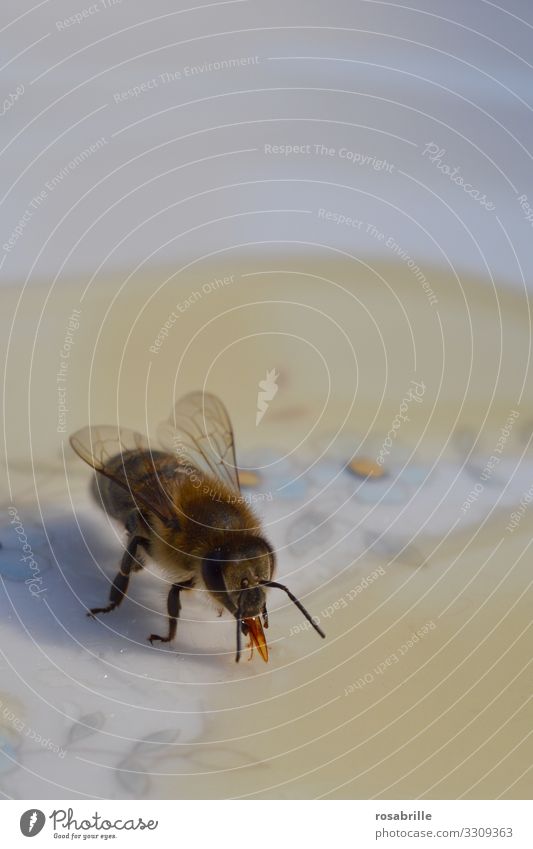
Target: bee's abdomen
{"x": 138, "y": 467}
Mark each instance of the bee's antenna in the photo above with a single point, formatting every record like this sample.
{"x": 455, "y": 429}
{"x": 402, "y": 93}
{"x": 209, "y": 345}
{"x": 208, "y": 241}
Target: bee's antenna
{"x": 239, "y": 626}
{"x": 298, "y": 604}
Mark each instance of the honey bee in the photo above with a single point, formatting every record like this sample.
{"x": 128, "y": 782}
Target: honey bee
{"x": 183, "y": 507}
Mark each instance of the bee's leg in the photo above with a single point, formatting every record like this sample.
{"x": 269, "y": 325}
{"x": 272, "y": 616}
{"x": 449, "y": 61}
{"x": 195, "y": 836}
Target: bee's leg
{"x": 122, "y": 578}
{"x": 173, "y": 607}
{"x": 136, "y": 526}
{"x": 265, "y": 616}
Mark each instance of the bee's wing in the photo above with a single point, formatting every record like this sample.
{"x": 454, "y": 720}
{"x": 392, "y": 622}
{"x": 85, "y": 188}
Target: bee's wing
{"x": 109, "y": 449}
{"x": 199, "y": 433}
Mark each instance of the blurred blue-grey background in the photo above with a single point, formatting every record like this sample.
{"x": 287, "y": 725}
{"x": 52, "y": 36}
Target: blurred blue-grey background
{"x": 146, "y": 134}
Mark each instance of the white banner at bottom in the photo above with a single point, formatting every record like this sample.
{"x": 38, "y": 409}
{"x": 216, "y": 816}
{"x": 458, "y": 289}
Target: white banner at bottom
{"x": 269, "y": 823}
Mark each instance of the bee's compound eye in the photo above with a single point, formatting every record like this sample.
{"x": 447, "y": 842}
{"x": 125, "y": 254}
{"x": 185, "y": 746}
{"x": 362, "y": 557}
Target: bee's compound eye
{"x": 245, "y": 583}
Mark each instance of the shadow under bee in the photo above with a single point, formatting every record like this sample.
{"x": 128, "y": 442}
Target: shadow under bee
{"x": 70, "y": 563}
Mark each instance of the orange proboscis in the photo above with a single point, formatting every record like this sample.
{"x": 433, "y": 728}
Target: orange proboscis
{"x": 257, "y": 637}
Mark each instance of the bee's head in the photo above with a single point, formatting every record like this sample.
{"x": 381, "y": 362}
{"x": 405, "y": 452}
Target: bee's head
{"x": 235, "y": 572}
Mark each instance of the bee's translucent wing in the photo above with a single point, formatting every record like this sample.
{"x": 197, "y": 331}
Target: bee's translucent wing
{"x": 126, "y": 458}
{"x": 198, "y": 433}
{"x": 100, "y": 444}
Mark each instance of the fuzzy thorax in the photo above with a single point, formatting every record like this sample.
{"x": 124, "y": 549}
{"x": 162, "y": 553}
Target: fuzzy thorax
{"x": 209, "y": 517}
